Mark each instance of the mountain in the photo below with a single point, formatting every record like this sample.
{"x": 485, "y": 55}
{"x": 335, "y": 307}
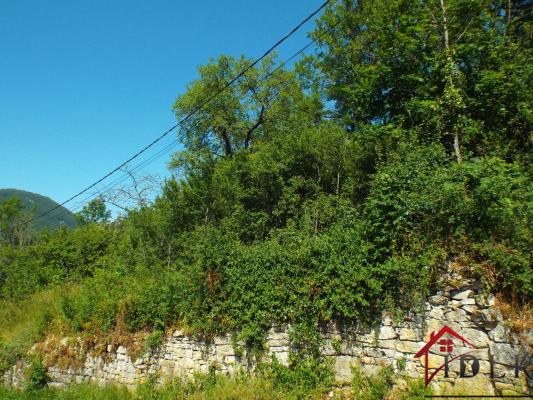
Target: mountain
{"x": 54, "y": 220}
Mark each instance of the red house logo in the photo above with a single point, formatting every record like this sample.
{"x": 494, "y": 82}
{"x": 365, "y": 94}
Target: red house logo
{"x": 442, "y": 343}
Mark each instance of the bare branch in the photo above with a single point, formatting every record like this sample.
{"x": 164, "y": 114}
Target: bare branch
{"x": 466, "y": 28}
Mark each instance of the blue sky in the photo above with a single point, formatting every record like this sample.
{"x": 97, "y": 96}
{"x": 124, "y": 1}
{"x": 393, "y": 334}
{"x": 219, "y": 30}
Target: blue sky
{"x": 86, "y": 84}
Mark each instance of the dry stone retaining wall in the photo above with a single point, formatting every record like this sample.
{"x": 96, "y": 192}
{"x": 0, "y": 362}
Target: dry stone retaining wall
{"x": 463, "y": 309}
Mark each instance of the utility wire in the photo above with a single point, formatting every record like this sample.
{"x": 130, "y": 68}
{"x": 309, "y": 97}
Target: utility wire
{"x": 270, "y": 50}
{"x": 164, "y": 150}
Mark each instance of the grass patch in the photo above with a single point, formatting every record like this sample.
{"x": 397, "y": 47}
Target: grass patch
{"x": 24, "y": 323}
{"x": 270, "y": 383}
{"x": 209, "y": 386}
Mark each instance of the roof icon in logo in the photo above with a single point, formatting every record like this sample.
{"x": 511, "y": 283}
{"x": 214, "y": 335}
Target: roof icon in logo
{"x": 442, "y": 342}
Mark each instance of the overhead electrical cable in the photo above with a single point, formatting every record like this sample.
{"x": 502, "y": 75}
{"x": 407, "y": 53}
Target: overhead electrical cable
{"x": 196, "y": 110}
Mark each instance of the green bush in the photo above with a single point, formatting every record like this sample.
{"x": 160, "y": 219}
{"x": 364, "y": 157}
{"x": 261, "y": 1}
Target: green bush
{"x": 303, "y": 378}
{"x": 372, "y": 387}
{"x": 36, "y": 375}
{"x": 154, "y": 341}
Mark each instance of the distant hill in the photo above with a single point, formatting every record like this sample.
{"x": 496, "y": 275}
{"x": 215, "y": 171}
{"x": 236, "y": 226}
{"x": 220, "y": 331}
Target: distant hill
{"x": 52, "y": 221}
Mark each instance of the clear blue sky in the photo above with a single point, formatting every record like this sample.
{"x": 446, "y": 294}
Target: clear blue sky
{"x": 86, "y": 84}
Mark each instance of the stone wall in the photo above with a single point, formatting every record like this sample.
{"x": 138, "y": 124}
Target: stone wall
{"x": 462, "y": 308}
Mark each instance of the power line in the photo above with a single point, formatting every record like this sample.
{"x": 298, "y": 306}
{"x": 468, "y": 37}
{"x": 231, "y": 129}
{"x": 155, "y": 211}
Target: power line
{"x": 165, "y": 149}
{"x": 127, "y": 174}
{"x": 201, "y": 106}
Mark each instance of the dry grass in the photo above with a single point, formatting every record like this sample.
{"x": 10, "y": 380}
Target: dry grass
{"x": 518, "y": 317}
{"x": 71, "y": 352}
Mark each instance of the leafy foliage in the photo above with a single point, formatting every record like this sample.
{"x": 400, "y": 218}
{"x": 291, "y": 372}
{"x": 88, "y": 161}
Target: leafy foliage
{"x": 324, "y": 195}
{"x": 36, "y": 375}
{"x": 93, "y": 212}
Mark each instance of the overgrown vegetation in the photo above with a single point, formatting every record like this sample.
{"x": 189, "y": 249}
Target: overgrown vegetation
{"x": 265, "y": 385}
{"x": 328, "y": 193}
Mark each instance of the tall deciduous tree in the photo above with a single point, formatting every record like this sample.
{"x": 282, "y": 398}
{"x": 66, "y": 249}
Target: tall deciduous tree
{"x": 241, "y": 113}
{"x": 450, "y": 70}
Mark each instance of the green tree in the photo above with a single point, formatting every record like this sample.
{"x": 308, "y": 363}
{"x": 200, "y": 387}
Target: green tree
{"x": 455, "y": 71}
{"x": 94, "y": 212}
{"x": 14, "y": 227}
{"x": 243, "y": 112}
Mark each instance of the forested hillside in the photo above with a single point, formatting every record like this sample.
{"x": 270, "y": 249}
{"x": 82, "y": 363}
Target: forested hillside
{"x": 33, "y": 203}
{"x": 328, "y": 192}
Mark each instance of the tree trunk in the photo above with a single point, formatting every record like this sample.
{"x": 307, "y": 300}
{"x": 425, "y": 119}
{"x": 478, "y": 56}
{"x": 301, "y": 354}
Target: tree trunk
{"x": 509, "y": 8}
{"x": 456, "y": 147}
{"x": 456, "y": 141}
{"x": 258, "y": 123}
{"x": 445, "y": 26}
{"x": 228, "y": 151}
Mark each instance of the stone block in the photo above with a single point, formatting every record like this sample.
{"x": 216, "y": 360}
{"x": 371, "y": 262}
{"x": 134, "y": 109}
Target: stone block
{"x": 386, "y": 320}
{"x": 387, "y": 332}
{"x": 411, "y": 334}
{"x": 484, "y": 367}
{"x": 508, "y": 392}
{"x": 468, "y": 301}
{"x": 368, "y": 360}
{"x": 277, "y": 329}
{"x": 388, "y": 354}
{"x": 455, "y": 304}
{"x": 371, "y": 369}
{"x": 470, "y": 309}
{"x": 436, "y": 313}
{"x": 280, "y": 349}
{"x": 435, "y": 326}
{"x": 328, "y": 350}
{"x": 225, "y": 350}
{"x": 438, "y": 300}
{"x": 369, "y": 338}
{"x": 389, "y": 344}
{"x": 185, "y": 364}
{"x": 283, "y": 358}
{"x": 277, "y": 342}
{"x": 139, "y": 362}
{"x": 475, "y": 336}
{"x": 222, "y": 341}
{"x": 504, "y": 386}
{"x": 461, "y": 294}
{"x": 230, "y": 360}
{"x": 500, "y": 333}
{"x": 280, "y": 336}
{"x": 483, "y": 300}
{"x": 503, "y": 353}
{"x": 458, "y": 315}
{"x": 184, "y": 353}
{"x": 491, "y": 315}
{"x": 178, "y": 333}
{"x": 434, "y": 361}
{"x": 477, "y": 385}
{"x": 409, "y": 347}
{"x": 343, "y": 368}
